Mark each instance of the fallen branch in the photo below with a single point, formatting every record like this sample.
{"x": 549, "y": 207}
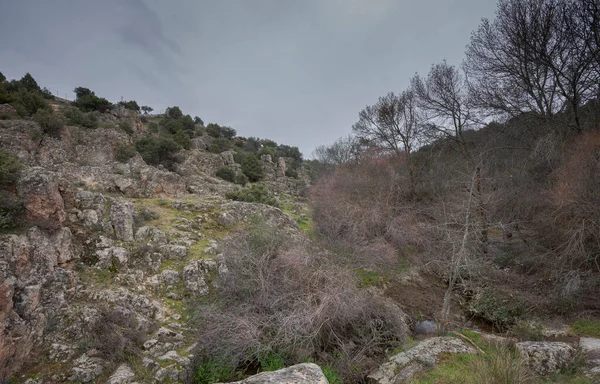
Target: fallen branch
{"x": 465, "y": 338}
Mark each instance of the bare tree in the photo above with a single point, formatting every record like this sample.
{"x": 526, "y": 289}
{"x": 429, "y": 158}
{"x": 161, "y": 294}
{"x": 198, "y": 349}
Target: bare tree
{"x": 443, "y": 96}
{"x": 504, "y": 76}
{"x": 569, "y": 57}
{"x": 537, "y": 56}
{"x": 392, "y": 123}
{"x": 342, "y": 151}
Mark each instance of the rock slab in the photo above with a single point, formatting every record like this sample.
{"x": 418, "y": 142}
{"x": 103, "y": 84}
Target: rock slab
{"x": 401, "y": 367}
{"x": 545, "y": 357}
{"x": 306, "y": 373}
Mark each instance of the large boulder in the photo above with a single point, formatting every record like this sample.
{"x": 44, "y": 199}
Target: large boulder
{"x": 306, "y": 373}
{"x": 121, "y": 215}
{"x": 546, "y": 357}
{"x": 591, "y": 348}
{"x": 401, "y": 367}
{"x": 39, "y": 190}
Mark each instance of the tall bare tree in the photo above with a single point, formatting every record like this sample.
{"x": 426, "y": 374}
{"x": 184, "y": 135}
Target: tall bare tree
{"x": 536, "y": 56}
{"x": 569, "y": 57}
{"x": 443, "y": 98}
{"x": 448, "y": 114}
{"x": 504, "y": 75}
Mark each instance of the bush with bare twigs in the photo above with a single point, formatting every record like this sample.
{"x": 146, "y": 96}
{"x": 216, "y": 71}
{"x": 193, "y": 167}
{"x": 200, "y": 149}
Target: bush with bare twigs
{"x": 292, "y": 301}
{"x": 116, "y": 334}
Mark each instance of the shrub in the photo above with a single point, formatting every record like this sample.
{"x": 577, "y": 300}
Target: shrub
{"x": 254, "y": 194}
{"x": 127, "y": 127}
{"x": 159, "y": 150}
{"x": 174, "y": 112}
{"x": 87, "y": 101}
{"x": 188, "y": 124}
{"x": 288, "y": 151}
{"x": 9, "y": 166}
{"x": 291, "y": 173}
{"x": 213, "y": 130}
{"x": 182, "y": 139}
{"x": 198, "y": 120}
{"x": 241, "y": 179}
{"x": 284, "y": 300}
{"x": 251, "y": 144}
{"x": 331, "y": 374}
{"x": 497, "y": 307}
{"x": 82, "y": 119}
{"x": 219, "y": 145}
{"x": 124, "y": 152}
{"x": 131, "y": 105}
{"x": 116, "y": 335}
{"x": 153, "y": 127}
{"x": 50, "y": 123}
{"x": 226, "y": 173}
{"x": 271, "y": 361}
{"x": 228, "y": 132}
{"x": 267, "y": 151}
{"x": 252, "y": 167}
{"x": 215, "y": 370}
{"x": 27, "y": 103}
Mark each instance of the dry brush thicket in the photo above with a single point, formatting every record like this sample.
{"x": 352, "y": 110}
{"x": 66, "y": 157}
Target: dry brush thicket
{"x": 484, "y": 203}
{"x": 284, "y": 298}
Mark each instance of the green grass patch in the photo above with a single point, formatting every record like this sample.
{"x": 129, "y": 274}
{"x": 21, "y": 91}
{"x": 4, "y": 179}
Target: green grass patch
{"x": 367, "y": 278}
{"x": 215, "y": 370}
{"x": 271, "y": 362}
{"x": 587, "y": 327}
{"x": 451, "y": 369}
{"x": 333, "y": 377}
{"x": 499, "y": 364}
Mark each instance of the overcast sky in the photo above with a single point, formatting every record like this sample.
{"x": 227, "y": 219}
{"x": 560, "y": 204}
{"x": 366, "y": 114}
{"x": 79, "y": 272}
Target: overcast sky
{"x": 295, "y": 71}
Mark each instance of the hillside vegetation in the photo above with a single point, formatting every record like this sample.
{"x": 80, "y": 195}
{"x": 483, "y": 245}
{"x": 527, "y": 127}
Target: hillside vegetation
{"x": 452, "y": 236}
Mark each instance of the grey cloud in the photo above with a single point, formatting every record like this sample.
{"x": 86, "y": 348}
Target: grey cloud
{"x": 294, "y": 71}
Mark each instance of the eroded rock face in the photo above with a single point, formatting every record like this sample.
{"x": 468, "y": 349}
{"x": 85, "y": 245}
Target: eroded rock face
{"x": 39, "y": 189}
{"x": 33, "y": 289}
{"x": 401, "y": 367}
{"x": 546, "y": 357}
{"x": 121, "y": 215}
{"x": 194, "y": 277}
{"x": 306, "y": 373}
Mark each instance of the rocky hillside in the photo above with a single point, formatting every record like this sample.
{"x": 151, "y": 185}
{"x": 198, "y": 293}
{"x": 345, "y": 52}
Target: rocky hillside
{"x": 102, "y": 259}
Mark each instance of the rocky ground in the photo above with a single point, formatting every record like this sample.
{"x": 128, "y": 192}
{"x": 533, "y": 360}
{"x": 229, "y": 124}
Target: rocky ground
{"x": 100, "y": 283}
